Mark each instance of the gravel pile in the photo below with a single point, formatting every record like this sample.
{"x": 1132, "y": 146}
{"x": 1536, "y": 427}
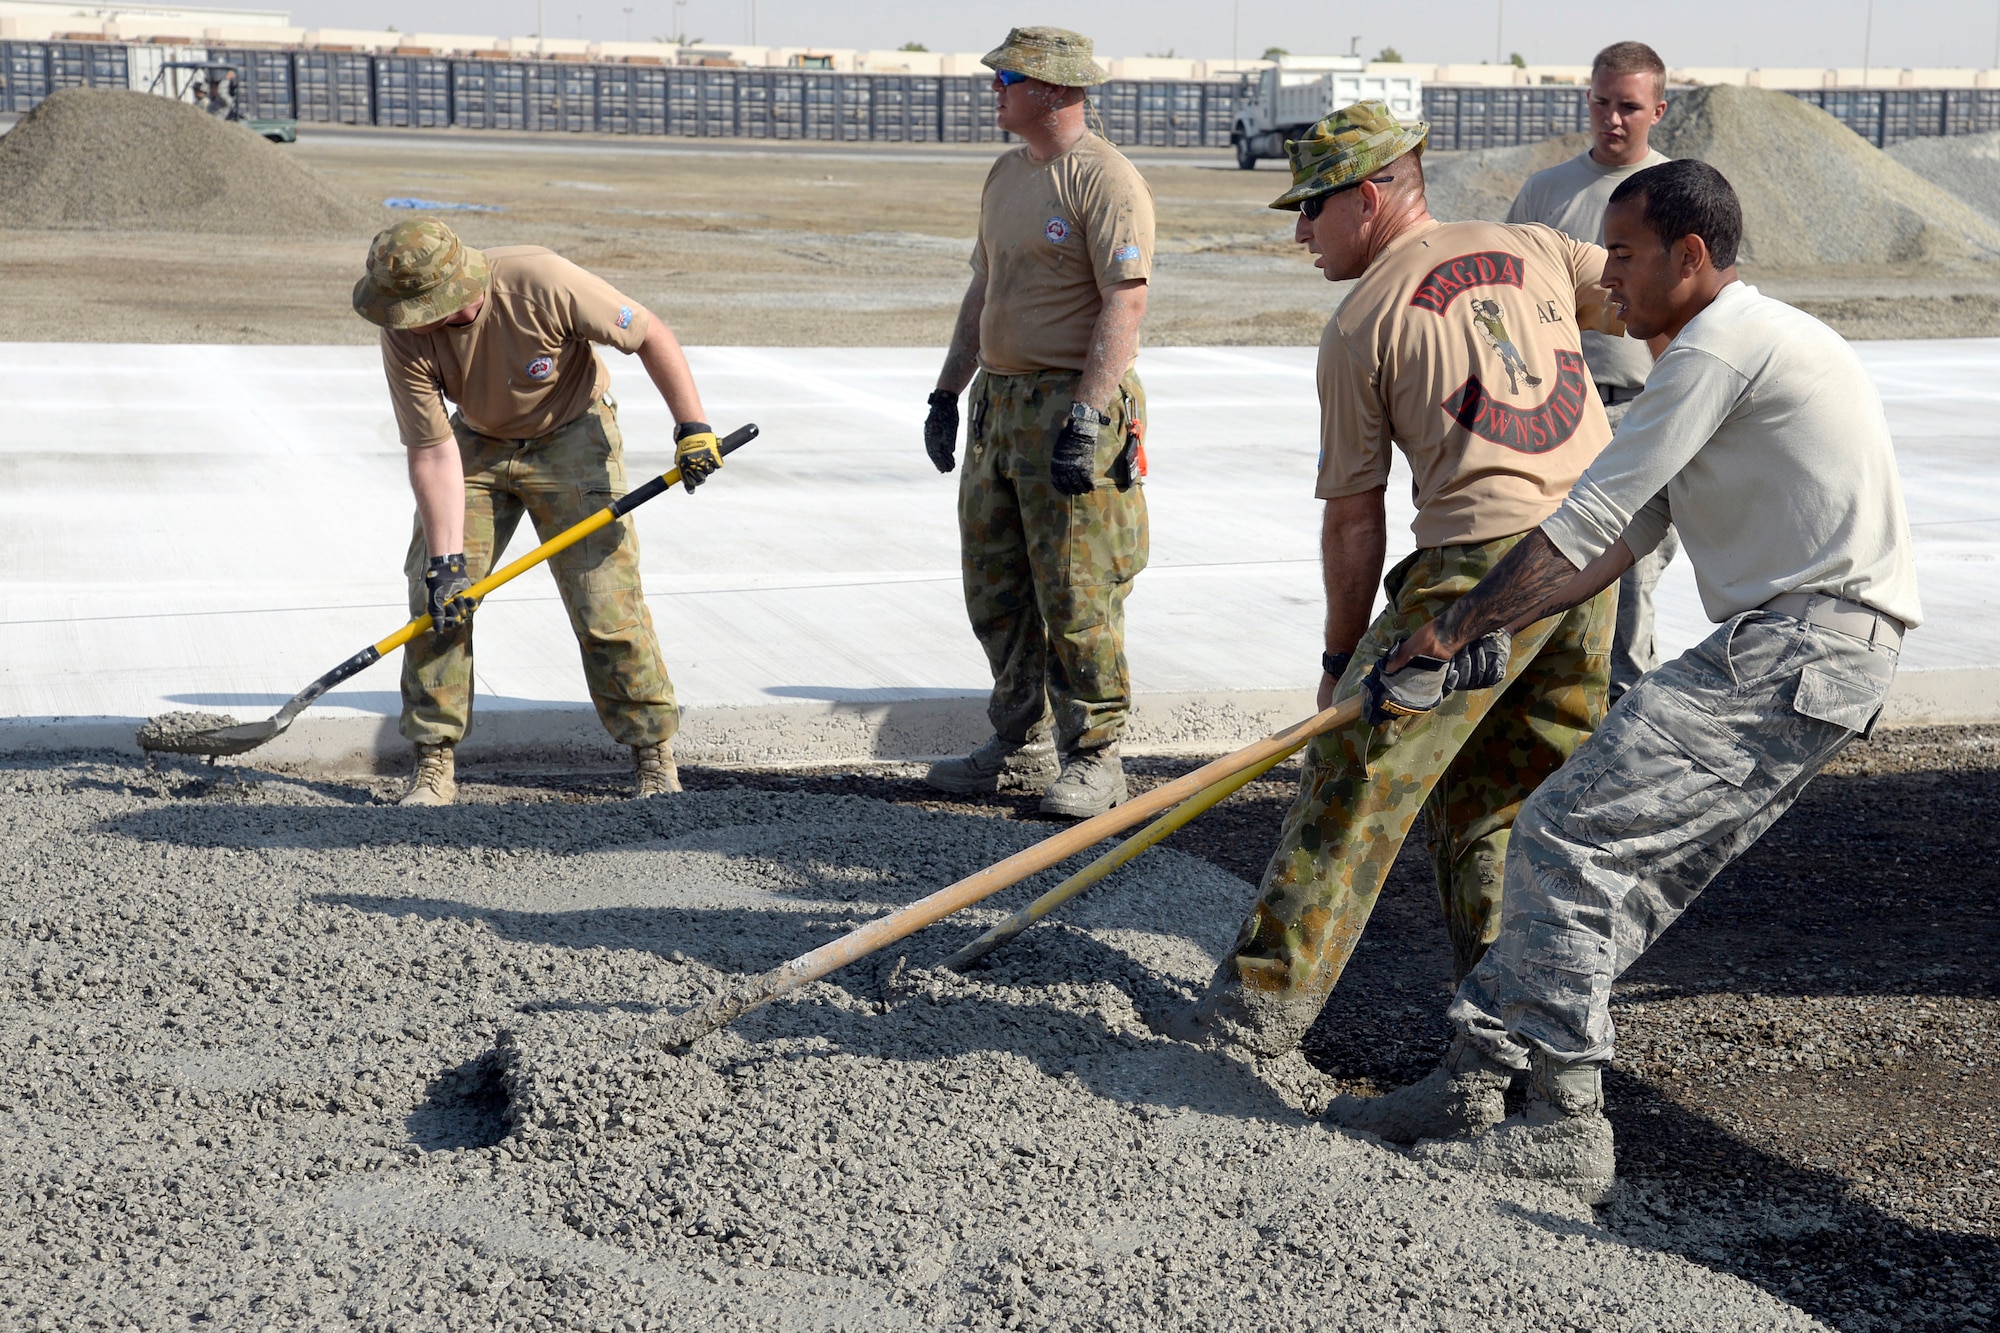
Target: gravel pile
{"x": 96, "y": 159}
{"x": 1480, "y": 184}
{"x": 1814, "y": 194}
{"x": 255, "y": 1083}
{"x": 1966, "y": 165}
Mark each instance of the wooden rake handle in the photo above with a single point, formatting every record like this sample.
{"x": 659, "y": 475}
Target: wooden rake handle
{"x": 740, "y": 998}
{"x": 1122, "y": 855}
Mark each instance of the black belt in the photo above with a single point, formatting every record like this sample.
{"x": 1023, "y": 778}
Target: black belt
{"x": 1609, "y": 394}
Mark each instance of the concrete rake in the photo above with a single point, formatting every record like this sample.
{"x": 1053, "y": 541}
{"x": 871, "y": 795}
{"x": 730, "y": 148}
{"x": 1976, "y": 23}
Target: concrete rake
{"x": 166, "y": 733}
{"x": 683, "y": 1030}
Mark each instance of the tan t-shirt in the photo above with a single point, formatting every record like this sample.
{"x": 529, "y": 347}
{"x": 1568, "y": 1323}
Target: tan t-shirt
{"x": 526, "y": 365}
{"x": 1460, "y": 344}
{"x": 1052, "y": 236}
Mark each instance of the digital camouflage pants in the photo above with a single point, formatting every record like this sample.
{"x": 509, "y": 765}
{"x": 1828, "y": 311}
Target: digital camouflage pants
{"x": 1046, "y": 574}
{"x": 1467, "y": 765}
{"x": 1695, "y": 763}
{"x": 557, "y": 481}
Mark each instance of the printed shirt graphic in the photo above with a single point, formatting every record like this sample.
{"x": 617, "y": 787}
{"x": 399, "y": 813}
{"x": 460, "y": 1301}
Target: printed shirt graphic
{"x": 1460, "y": 345}
{"x": 526, "y": 365}
{"x": 1052, "y": 236}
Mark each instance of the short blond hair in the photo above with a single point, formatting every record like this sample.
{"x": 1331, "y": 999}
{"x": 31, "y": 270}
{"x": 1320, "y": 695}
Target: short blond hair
{"x": 1632, "y": 58}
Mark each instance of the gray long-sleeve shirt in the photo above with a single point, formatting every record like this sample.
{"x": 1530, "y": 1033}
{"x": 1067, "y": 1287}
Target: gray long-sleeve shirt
{"x": 1761, "y": 437}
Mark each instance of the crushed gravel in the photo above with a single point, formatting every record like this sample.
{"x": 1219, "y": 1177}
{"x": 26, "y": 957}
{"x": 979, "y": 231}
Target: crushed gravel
{"x": 1815, "y": 194}
{"x": 255, "y": 1084}
{"x": 98, "y": 159}
{"x": 1965, "y": 165}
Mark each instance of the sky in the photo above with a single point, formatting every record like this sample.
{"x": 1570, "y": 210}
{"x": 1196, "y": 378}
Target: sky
{"x": 1557, "y": 32}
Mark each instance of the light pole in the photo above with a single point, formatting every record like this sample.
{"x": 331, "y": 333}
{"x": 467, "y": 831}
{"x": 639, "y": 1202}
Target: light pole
{"x": 1867, "y": 42}
{"x": 628, "y": 23}
{"x": 541, "y": 27}
{"x": 1236, "y": 33}
{"x": 1499, "y": 29}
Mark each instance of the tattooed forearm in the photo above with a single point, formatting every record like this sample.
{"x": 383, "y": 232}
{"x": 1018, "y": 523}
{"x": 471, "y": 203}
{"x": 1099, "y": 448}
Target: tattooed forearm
{"x": 1526, "y": 585}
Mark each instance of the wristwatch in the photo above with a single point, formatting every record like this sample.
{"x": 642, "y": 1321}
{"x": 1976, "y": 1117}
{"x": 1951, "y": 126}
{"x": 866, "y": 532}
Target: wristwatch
{"x": 1087, "y": 418}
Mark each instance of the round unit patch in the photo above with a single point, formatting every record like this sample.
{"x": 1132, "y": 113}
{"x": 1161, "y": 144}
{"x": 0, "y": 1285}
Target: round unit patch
{"x": 1058, "y": 231}
{"x": 541, "y": 367}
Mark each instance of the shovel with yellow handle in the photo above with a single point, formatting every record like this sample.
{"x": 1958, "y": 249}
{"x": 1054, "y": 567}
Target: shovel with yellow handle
{"x": 161, "y": 733}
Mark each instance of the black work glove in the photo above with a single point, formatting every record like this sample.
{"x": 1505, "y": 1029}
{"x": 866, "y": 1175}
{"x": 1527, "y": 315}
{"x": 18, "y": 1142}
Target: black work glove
{"x": 697, "y": 452}
{"x": 1481, "y": 664}
{"x": 444, "y": 594}
{"x": 941, "y": 429}
{"x": 1423, "y": 682}
{"x": 1073, "y": 465}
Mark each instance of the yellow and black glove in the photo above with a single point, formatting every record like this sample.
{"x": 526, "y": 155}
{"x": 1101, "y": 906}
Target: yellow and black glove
{"x": 445, "y": 583}
{"x": 696, "y": 452}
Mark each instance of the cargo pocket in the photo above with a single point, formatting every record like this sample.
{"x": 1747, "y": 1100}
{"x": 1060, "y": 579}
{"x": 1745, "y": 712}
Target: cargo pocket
{"x": 1825, "y": 697}
{"x": 1670, "y": 787}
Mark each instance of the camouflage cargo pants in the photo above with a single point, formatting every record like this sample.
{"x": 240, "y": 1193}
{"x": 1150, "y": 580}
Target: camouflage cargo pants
{"x": 1696, "y": 762}
{"x": 557, "y": 480}
{"x": 1046, "y": 573}
{"x": 1467, "y": 765}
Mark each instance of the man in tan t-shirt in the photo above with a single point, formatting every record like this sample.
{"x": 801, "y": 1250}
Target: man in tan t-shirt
{"x": 507, "y": 335}
{"x": 1460, "y": 345}
{"x": 1052, "y": 521}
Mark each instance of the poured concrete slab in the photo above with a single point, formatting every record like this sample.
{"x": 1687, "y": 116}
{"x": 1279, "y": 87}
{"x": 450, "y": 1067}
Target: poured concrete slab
{"x": 211, "y": 527}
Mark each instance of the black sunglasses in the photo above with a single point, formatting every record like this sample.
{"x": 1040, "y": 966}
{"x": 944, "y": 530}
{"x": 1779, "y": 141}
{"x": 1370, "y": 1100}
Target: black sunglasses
{"x": 1311, "y": 207}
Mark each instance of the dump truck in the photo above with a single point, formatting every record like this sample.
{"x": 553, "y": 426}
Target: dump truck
{"x": 1282, "y": 100}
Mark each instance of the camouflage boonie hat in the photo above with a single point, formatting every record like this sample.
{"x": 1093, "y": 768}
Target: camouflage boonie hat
{"x": 1352, "y": 144}
{"x": 1053, "y": 55}
{"x": 418, "y": 273}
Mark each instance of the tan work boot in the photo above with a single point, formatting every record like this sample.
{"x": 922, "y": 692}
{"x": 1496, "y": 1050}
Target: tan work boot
{"x": 1560, "y": 1138}
{"x": 653, "y": 770}
{"x": 1461, "y": 1098}
{"x": 999, "y": 765}
{"x": 435, "y": 782}
{"x": 1091, "y": 782}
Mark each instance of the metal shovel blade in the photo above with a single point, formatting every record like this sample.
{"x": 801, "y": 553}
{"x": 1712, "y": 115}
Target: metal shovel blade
{"x": 177, "y": 733}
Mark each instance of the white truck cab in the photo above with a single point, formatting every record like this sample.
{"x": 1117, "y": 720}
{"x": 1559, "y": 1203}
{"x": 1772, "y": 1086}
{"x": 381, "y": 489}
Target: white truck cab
{"x": 1285, "y": 98}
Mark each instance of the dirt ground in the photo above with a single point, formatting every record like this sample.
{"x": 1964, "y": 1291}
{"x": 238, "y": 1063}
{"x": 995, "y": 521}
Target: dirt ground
{"x": 763, "y": 244}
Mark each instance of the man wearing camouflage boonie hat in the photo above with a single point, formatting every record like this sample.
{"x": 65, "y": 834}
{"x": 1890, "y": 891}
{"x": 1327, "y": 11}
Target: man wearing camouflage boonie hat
{"x": 507, "y": 336}
{"x": 1408, "y": 361}
{"x": 1052, "y": 519}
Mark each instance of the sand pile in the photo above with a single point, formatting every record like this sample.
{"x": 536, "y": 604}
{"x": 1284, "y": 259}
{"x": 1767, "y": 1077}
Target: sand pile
{"x": 96, "y": 159}
{"x": 1965, "y": 165}
{"x": 255, "y": 1086}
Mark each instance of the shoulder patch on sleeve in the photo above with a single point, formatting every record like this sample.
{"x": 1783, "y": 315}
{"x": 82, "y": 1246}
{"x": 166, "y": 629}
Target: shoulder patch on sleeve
{"x": 1124, "y": 253}
{"x": 624, "y": 316}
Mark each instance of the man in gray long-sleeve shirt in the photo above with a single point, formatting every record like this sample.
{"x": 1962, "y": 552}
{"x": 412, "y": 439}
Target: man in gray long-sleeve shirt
{"x": 1627, "y": 97}
{"x": 1760, "y": 436}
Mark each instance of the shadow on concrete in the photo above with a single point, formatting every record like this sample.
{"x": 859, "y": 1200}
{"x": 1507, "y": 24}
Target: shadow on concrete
{"x": 875, "y": 697}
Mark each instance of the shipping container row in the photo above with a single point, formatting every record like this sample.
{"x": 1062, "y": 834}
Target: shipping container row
{"x": 434, "y": 92}
{"x": 1470, "y": 118}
